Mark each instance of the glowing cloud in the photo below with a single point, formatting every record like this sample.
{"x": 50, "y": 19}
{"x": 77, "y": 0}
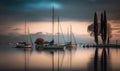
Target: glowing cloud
{"x": 45, "y": 5}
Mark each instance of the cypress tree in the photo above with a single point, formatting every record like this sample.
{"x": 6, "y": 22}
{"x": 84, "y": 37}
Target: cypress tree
{"x": 105, "y": 28}
{"x": 102, "y": 28}
{"x": 96, "y": 28}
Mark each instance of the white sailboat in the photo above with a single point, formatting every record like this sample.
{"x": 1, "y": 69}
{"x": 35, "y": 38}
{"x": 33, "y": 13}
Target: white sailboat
{"x": 25, "y": 43}
{"x": 51, "y": 45}
{"x": 70, "y": 44}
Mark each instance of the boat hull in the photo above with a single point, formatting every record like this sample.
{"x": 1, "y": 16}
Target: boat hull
{"x": 50, "y": 47}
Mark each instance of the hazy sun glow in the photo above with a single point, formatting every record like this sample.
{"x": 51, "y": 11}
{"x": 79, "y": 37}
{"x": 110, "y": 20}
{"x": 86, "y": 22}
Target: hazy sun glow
{"x": 46, "y": 27}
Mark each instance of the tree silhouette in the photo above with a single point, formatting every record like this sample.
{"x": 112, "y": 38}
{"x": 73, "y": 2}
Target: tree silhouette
{"x": 109, "y": 35}
{"x": 96, "y": 28}
{"x": 104, "y": 27}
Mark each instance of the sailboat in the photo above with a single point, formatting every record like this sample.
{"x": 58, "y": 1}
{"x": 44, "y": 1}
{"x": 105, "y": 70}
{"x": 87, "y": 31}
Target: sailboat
{"x": 69, "y": 44}
{"x": 25, "y": 44}
{"x": 42, "y": 44}
{"x": 50, "y": 45}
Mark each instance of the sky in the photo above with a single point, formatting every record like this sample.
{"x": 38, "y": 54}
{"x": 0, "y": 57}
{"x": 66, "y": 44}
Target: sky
{"x": 40, "y": 10}
{"x": 14, "y": 12}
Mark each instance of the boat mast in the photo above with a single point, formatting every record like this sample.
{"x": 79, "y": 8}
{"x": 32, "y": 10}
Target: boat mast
{"x": 74, "y": 38}
{"x": 62, "y": 32}
{"x": 58, "y": 42}
{"x": 70, "y": 33}
{"x": 58, "y": 30}
{"x": 30, "y": 36}
{"x": 52, "y": 20}
{"x": 25, "y": 31}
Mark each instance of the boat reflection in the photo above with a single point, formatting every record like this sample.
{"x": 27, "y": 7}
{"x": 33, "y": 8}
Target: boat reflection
{"x": 27, "y": 54}
{"x": 60, "y": 57}
{"x": 79, "y": 59}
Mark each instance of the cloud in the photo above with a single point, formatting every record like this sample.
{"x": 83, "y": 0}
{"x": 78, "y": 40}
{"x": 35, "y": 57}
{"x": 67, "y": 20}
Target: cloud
{"x": 39, "y": 10}
{"x": 16, "y": 29}
{"x": 44, "y": 5}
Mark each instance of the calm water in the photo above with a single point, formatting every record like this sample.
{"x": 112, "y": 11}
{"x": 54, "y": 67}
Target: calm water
{"x": 80, "y": 59}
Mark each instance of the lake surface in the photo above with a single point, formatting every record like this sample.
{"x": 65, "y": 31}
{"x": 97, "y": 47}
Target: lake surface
{"x": 80, "y": 59}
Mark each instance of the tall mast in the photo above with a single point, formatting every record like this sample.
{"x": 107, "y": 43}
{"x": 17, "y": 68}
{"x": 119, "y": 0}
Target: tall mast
{"x": 30, "y": 36}
{"x": 52, "y": 20}
{"x": 62, "y": 32}
{"x": 70, "y": 33}
{"x": 58, "y": 42}
{"x": 25, "y": 31}
{"x": 74, "y": 38}
{"x": 58, "y": 30}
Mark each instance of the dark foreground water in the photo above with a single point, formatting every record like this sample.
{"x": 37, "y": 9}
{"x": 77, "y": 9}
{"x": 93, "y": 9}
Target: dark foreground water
{"x": 80, "y": 59}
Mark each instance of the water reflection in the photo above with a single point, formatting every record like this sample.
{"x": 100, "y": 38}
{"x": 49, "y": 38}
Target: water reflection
{"x": 96, "y": 60}
{"x": 52, "y": 52}
{"x": 27, "y": 53}
{"x": 104, "y": 60}
{"x": 101, "y": 63}
{"x": 80, "y": 59}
